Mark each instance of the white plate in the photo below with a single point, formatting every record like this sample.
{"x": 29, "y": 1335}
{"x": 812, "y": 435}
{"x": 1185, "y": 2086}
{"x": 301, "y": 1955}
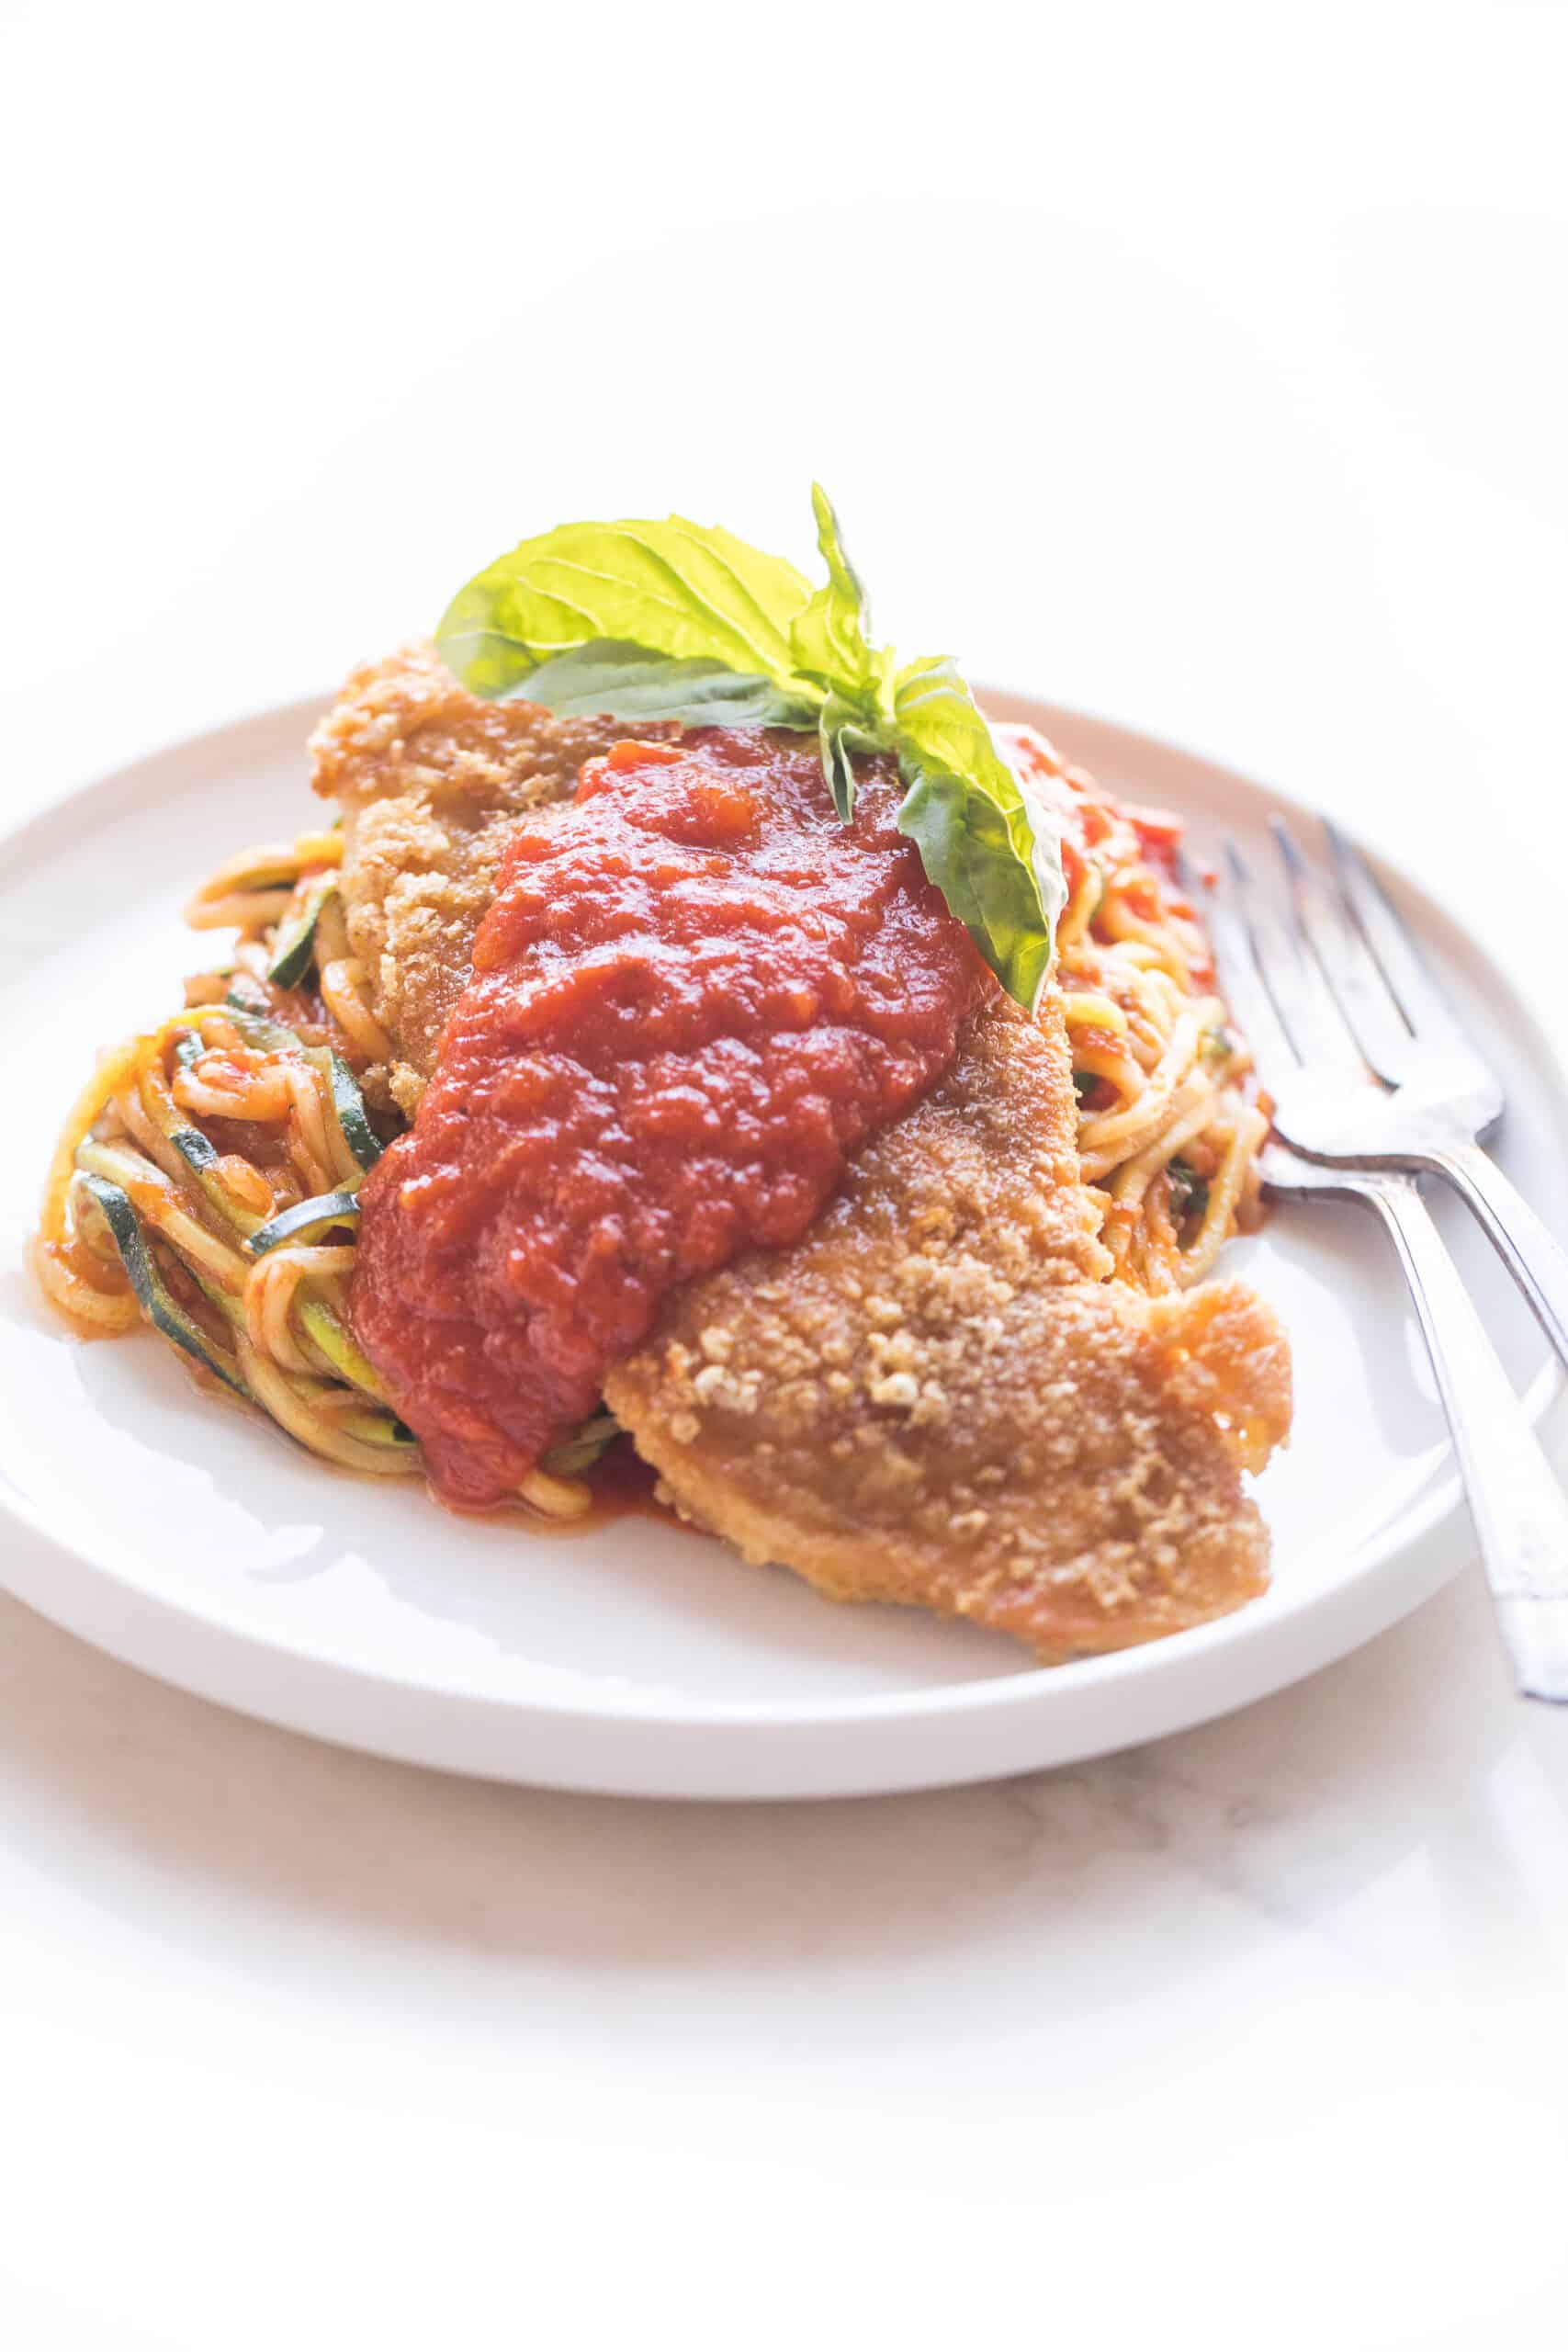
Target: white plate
{"x": 195, "y": 1542}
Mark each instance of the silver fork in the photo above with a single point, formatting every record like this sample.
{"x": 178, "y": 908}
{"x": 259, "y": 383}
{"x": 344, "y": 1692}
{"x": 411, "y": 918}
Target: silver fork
{"x": 1443, "y": 1101}
{"x": 1307, "y": 1056}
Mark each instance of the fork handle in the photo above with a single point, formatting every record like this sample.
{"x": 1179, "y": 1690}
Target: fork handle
{"x": 1519, "y": 1512}
{"x": 1533, "y": 1256}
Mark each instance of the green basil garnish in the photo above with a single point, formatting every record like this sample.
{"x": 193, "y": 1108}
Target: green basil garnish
{"x": 677, "y": 620}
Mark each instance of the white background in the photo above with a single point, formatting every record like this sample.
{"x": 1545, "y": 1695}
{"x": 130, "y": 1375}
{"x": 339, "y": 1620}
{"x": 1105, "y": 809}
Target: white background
{"x": 1201, "y": 367}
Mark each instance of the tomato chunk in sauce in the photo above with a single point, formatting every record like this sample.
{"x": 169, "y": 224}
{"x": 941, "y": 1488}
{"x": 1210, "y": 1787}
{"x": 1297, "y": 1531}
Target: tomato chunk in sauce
{"x": 695, "y": 994}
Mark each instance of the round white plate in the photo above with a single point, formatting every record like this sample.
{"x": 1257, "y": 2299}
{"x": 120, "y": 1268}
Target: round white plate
{"x": 196, "y": 1542}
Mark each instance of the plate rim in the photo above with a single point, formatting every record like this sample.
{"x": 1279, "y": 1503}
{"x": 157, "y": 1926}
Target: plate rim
{"x": 1390, "y": 1574}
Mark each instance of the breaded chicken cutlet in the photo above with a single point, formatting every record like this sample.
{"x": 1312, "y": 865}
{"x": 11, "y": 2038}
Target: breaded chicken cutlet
{"x": 936, "y": 1397}
{"x": 431, "y": 782}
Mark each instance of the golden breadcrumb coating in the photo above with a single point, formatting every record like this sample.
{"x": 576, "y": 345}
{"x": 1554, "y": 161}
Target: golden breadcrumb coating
{"x": 432, "y": 782}
{"x": 935, "y": 1399}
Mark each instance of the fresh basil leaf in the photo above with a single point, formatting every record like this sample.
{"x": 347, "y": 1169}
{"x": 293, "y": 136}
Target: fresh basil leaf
{"x": 938, "y": 722}
{"x": 993, "y": 852}
{"x": 673, "y": 620}
{"x": 675, "y": 587}
{"x": 625, "y": 681}
{"x": 937, "y": 715}
{"x": 836, "y": 765}
{"x": 830, "y": 641}
{"x": 970, "y": 852}
{"x": 841, "y": 731}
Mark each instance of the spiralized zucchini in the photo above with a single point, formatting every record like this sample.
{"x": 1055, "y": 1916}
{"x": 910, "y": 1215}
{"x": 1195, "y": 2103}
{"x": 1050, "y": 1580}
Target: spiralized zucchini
{"x": 205, "y": 1182}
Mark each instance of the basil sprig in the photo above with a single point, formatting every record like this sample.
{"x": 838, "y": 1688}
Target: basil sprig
{"x": 680, "y": 620}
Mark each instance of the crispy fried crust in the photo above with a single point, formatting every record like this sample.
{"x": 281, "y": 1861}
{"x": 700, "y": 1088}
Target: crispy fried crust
{"x": 935, "y": 1399}
{"x": 432, "y": 782}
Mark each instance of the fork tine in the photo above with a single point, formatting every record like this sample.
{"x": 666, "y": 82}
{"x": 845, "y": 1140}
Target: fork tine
{"x": 1354, "y": 980}
{"x": 1273, "y": 1056}
{"x": 1307, "y": 1013}
{"x": 1391, "y": 946}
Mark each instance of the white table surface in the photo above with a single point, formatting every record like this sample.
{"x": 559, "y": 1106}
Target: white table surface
{"x": 1199, "y": 366}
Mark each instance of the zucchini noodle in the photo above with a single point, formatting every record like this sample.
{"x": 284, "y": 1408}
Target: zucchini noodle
{"x": 194, "y": 1145}
{"x": 204, "y": 1180}
{"x": 345, "y": 992}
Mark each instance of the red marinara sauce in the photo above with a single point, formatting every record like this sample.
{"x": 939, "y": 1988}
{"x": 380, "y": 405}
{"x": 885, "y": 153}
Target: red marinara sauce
{"x": 695, "y": 994}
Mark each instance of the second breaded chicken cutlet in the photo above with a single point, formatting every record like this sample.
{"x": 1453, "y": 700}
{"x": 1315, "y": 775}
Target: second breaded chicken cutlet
{"x": 431, "y": 782}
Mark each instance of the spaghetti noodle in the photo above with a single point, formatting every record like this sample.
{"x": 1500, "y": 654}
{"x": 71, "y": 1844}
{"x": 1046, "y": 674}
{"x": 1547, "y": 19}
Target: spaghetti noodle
{"x": 205, "y": 1179}
{"x": 1171, "y": 1122}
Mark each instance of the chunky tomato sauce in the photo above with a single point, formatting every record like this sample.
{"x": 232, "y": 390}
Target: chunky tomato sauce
{"x": 696, "y": 993}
